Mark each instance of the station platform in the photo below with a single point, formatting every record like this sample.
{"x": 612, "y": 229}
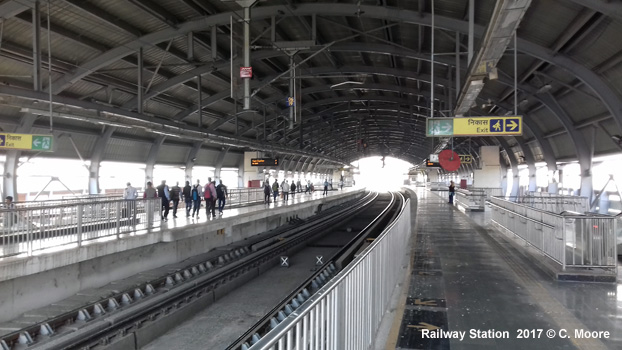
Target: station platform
{"x": 55, "y": 274}
{"x": 469, "y": 288}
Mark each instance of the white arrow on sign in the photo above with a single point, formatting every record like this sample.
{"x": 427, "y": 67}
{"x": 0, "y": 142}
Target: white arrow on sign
{"x": 511, "y": 125}
{"x": 36, "y": 142}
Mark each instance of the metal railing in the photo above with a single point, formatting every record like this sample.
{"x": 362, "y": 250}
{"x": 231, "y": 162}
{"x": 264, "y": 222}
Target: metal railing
{"x": 26, "y": 230}
{"x": 347, "y": 311}
{"x": 242, "y": 196}
{"x": 490, "y": 191}
{"x": 473, "y": 199}
{"x": 570, "y": 239}
{"x": 437, "y": 186}
{"x": 553, "y": 202}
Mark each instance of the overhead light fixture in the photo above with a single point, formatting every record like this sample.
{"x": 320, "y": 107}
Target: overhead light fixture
{"x": 544, "y": 88}
{"x": 346, "y": 82}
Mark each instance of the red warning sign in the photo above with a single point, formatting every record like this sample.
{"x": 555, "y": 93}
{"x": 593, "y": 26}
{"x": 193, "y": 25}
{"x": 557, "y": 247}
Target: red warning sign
{"x": 449, "y": 160}
{"x": 246, "y": 72}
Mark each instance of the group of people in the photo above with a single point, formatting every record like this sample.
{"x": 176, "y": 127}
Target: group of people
{"x": 192, "y": 196}
{"x": 285, "y": 188}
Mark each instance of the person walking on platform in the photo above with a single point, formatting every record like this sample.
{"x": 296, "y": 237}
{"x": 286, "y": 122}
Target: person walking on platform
{"x": 210, "y": 197}
{"x": 275, "y": 189}
{"x": 187, "y": 194}
{"x": 150, "y": 192}
{"x": 308, "y": 187}
{"x": 298, "y": 186}
{"x": 285, "y": 190}
{"x": 452, "y": 192}
{"x": 130, "y": 194}
{"x": 164, "y": 193}
{"x": 293, "y": 189}
{"x": 266, "y": 192}
{"x": 175, "y": 192}
{"x": 221, "y": 194}
{"x": 325, "y": 188}
{"x": 196, "y": 200}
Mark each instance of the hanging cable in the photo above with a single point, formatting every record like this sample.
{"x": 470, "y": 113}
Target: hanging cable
{"x": 50, "y": 69}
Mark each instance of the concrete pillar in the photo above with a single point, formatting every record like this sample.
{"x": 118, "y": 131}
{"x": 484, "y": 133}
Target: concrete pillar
{"x": 9, "y": 180}
{"x": 151, "y": 159}
{"x": 433, "y": 176}
{"x": 251, "y": 173}
{"x": 190, "y": 160}
{"x": 241, "y": 166}
{"x": 490, "y": 173}
{"x": 96, "y": 158}
{"x": 219, "y": 161}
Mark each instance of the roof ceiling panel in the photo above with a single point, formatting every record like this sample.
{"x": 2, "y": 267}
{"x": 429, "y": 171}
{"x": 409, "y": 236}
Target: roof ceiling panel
{"x": 600, "y": 43}
{"x": 126, "y": 150}
{"x": 126, "y": 11}
{"x": 580, "y": 108}
{"x": 545, "y": 21}
{"x": 544, "y": 119}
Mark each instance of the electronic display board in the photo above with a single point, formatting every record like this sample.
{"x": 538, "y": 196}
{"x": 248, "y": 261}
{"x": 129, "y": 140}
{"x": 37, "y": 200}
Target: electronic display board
{"x": 264, "y": 162}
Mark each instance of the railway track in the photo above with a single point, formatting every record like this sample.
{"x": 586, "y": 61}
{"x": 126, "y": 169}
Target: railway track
{"x": 119, "y": 322}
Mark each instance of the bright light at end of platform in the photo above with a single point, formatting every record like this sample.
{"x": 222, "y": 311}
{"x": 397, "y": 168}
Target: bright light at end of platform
{"x": 378, "y": 178}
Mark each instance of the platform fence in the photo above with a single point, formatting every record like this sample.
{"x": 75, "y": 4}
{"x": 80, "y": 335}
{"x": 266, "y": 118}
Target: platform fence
{"x": 28, "y": 230}
{"x": 471, "y": 199}
{"x": 569, "y": 238}
{"x": 553, "y": 202}
{"x": 347, "y": 311}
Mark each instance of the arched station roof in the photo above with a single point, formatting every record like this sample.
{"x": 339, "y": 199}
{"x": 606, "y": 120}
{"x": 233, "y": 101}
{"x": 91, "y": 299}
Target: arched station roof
{"x": 363, "y": 72}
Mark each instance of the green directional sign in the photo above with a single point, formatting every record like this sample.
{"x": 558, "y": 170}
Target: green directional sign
{"x": 440, "y": 127}
{"x": 41, "y": 143}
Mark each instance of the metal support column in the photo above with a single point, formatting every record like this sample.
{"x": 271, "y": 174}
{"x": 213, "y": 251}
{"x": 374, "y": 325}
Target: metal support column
{"x": 200, "y": 102}
{"x": 291, "y": 91}
{"x": 458, "y": 74}
{"x": 214, "y": 44}
{"x": 247, "y": 56}
{"x": 36, "y": 47}
{"x": 191, "y": 46}
{"x": 471, "y": 29}
{"x": 140, "y": 81}
{"x": 219, "y": 161}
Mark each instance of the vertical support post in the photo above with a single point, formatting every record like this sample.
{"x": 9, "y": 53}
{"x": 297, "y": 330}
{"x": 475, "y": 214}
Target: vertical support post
{"x": 140, "y": 80}
{"x": 313, "y": 28}
{"x": 515, "y": 78}
{"x": 214, "y": 44}
{"x": 191, "y": 46}
{"x": 291, "y": 91}
{"x": 471, "y": 29}
{"x": 432, "y": 66}
{"x": 264, "y": 123}
{"x": 36, "y": 46}
{"x": 458, "y": 74}
{"x": 231, "y": 52}
{"x": 80, "y": 210}
{"x": 272, "y": 29}
{"x": 200, "y": 100}
{"x": 119, "y": 212}
{"x": 247, "y": 56}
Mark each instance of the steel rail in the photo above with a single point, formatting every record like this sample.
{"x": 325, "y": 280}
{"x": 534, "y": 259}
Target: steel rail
{"x": 168, "y": 296}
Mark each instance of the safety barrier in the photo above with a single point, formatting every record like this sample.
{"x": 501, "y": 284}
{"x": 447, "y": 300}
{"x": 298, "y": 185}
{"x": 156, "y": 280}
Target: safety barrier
{"x": 26, "y": 230}
{"x": 473, "y": 199}
{"x": 241, "y": 196}
{"x": 489, "y": 191}
{"x": 437, "y": 186}
{"x": 569, "y": 238}
{"x": 347, "y": 311}
{"x": 553, "y": 202}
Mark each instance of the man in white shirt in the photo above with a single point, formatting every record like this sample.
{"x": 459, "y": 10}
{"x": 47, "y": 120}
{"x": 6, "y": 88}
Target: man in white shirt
{"x": 130, "y": 194}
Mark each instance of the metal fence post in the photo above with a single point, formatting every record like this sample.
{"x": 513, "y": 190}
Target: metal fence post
{"x": 79, "y": 228}
{"x": 118, "y": 215}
